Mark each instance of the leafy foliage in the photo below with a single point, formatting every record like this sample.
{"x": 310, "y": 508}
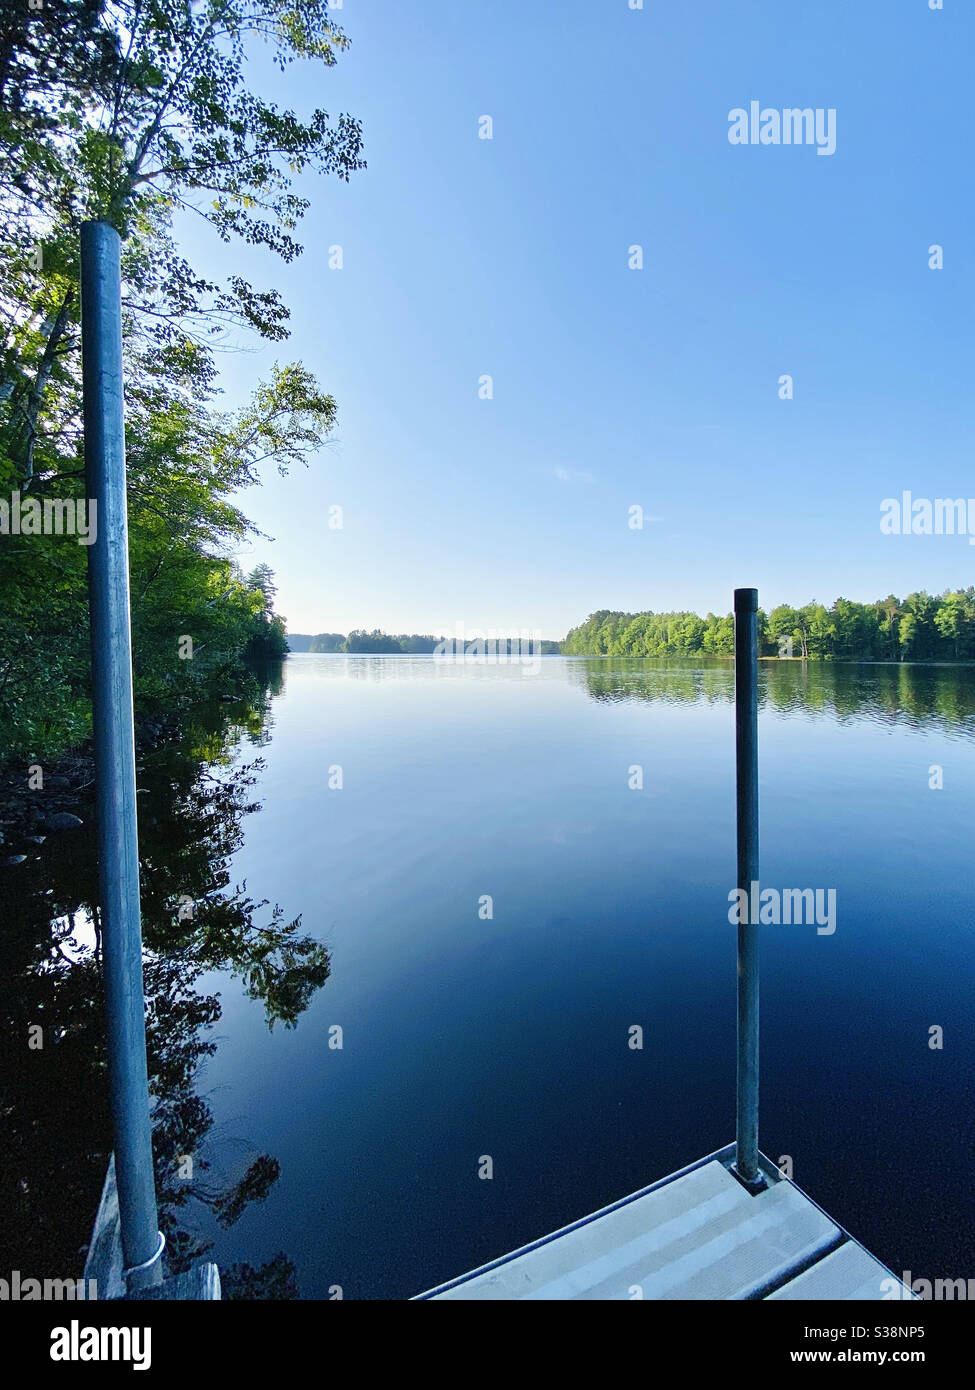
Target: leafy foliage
{"x": 921, "y": 628}
{"x": 131, "y": 111}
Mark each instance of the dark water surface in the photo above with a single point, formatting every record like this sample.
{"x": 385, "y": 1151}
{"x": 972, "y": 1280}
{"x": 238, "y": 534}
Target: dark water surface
{"x": 508, "y": 1037}
{"x": 465, "y": 1037}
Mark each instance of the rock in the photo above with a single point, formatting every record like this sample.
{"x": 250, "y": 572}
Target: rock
{"x": 63, "y": 820}
{"x": 57, "y": 781}
{"x": 35, "y": 839}
{"x": 14, "y": 859}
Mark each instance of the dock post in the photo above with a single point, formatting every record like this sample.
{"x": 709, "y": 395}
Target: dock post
{"x": 746, "y": 759}
{"x": 114, "y": 737}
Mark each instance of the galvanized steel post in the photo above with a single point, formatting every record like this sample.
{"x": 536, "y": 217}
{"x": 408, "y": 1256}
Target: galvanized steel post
{"x": 746, "y": 759}
{"x": 114, "y": 736}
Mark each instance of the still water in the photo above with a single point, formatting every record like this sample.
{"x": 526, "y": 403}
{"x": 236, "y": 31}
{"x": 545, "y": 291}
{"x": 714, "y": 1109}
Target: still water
{"x": 317, "y": 867}
{"x": 466, "y": 1036}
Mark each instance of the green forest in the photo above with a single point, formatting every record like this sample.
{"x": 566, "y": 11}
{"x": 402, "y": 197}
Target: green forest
{"x": 922, "y": 627}
{"x": 142, "y": 131}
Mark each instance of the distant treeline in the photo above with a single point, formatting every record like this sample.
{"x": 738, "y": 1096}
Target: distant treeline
{"x": 378, "y": 643}
{"x": 375, "y": 642}
{"x": 922, "y": 627}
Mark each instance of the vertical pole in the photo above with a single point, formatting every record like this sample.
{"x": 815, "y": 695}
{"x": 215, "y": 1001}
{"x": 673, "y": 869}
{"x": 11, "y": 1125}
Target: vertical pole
{"x": 746, "y": 759}
{"x": 114, "y": 732}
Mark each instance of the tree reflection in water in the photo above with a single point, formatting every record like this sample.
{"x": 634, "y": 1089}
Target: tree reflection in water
{"x": 194, "y": 797}
{"x": 885, "y": 693}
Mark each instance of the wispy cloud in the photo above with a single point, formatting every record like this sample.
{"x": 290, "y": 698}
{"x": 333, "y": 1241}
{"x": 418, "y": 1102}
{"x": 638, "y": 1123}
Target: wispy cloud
{"x": 573, "y": 475}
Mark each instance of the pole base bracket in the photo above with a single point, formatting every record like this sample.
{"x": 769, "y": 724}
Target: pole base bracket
{"x": 753, "y": 1185}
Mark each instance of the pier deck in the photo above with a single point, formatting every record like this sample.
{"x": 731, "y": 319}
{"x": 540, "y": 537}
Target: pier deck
{"x": 697, "y": 1234}
{"x": 103, "y": 1263}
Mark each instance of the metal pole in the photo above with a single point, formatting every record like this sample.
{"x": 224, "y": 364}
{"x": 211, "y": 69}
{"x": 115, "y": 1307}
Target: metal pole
{"x": 118, "y": 845}
{"x": 746, "y": 758}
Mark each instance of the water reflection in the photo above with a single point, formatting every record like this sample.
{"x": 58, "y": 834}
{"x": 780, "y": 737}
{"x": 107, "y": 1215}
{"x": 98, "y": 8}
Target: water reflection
{"x": 567, "y": 850}
{"x": 902, "y": 694}
{"x": 194, "y": 799}
{"x": 905, "y": 694}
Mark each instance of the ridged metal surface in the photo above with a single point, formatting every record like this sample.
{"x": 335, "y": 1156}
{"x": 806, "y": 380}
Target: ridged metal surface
{"x": 699, "y": 1236}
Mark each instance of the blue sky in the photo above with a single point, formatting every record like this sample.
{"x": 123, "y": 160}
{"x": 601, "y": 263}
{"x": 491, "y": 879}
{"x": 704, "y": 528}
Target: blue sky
{"x": 615, "y": 387}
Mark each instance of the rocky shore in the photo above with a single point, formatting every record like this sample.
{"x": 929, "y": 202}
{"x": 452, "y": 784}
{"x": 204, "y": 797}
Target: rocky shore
{"x": 41, "y": 803}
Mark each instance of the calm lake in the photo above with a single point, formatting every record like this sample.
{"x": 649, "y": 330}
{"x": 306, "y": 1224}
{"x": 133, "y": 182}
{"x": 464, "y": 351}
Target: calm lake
{"x": 466, "y": 1035}
{"x": 509, "y": 1037}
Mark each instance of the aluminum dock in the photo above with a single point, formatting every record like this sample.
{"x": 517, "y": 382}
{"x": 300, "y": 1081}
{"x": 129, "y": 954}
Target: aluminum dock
{"x": 698, "y": 1234}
